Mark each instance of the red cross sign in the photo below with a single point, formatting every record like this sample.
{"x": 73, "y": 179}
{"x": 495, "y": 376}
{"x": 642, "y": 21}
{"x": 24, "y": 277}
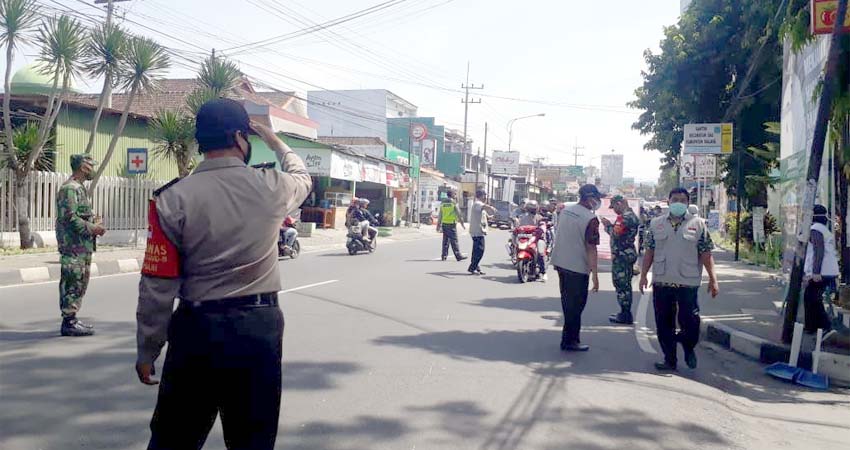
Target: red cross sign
{"x": 137, "y": 160}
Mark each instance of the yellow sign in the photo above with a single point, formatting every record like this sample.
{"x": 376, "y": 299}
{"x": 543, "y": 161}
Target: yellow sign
{"x": 726, "y": 138}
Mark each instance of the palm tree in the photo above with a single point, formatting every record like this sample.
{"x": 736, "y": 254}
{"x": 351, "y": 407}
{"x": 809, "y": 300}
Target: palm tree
{"x": 145, "y": 63}
{"x": 217, "y": 77}
{"x": 17, "y": 19}
{"x": 61, "y": 41}
{"x": 103, "y": 56}
{"x": 174, "y": 133}
{"x": 25, "y": 139}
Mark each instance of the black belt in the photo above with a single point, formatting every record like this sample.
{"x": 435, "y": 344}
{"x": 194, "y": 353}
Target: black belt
{"x": 247, "y": 301}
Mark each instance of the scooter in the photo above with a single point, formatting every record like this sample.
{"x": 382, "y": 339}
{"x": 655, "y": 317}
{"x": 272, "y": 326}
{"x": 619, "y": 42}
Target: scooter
{"x": 356, "y": 243}
{"x": 530, "y": 244}
{"x": 283, "y": 251}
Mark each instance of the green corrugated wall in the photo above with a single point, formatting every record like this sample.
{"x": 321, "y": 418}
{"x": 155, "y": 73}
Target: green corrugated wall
{"x": 72, "y": 135}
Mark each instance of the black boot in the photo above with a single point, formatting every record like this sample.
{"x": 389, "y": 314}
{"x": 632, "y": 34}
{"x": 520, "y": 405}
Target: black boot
{"x": 623, "y": 318}
{"x": 72, "y": 327}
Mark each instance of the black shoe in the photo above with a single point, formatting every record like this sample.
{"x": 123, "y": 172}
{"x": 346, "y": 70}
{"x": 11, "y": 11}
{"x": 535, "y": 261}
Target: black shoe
{"x": 575, "y": 347}
{"x": 73, "y": 327}
{"x": 462, "y": 257}
{"x": 479, "y": 272}
{"x": 623, "y": 318}
{"x": 691, "y": 358}
{"x": 444, "y": 258}
{"x": 665, "y": 367}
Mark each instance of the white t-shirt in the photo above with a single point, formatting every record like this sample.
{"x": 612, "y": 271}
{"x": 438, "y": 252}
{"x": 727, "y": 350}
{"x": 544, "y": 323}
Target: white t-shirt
{"x": 478, "y": 220}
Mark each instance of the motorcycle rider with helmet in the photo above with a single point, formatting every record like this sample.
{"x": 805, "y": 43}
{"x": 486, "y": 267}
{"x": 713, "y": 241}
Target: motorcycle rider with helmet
{"x": 365, "y": 219}
{"x": 532, "y": 217}
{"x": 288, "y": 233}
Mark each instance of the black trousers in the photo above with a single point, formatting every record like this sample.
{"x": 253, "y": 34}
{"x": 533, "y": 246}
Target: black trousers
{"x": 574, "y": 288}
{"x": 477, "y": 252}
{"x": 670, "y": 302}
{"x": 815, "y": 314}
{"x": 450, "y": 238}
{"x": 226, "y": 362}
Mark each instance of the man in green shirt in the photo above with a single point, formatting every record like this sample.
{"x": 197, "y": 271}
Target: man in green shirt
{"x": 76, "y": 230}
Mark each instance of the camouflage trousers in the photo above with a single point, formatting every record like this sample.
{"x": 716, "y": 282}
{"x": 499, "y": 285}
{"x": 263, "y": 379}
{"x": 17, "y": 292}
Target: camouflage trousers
{"x": 622, "y": 271}
{"x": 76, "y": 270}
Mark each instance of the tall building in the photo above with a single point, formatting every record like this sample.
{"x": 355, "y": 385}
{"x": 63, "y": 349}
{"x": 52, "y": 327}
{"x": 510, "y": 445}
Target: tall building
{"x": 612, "y": 171}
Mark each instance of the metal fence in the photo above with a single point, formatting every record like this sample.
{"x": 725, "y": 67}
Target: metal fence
{"x": 122, "y": 202}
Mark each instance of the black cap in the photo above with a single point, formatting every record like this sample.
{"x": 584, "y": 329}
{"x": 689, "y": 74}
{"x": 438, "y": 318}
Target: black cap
{"x": 590, "y": 190}
{"x": 820, "y": 210}
{"x": 216, "y": 122}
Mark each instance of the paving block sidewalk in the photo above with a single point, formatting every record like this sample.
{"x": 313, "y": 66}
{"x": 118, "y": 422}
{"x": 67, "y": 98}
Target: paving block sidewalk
{"x": 40, "y": 267}
{"x": 747, "y": 318}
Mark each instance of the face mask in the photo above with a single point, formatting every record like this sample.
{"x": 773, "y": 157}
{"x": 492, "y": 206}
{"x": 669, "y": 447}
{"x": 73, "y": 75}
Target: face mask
{"x": 678, "y": 209}
{"x": 247, "y": 157}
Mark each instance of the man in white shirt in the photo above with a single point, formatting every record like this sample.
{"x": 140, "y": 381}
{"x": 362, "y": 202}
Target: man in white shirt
{"x": 478, "y": 230}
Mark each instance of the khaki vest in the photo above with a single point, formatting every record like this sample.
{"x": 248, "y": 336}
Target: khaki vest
{"x": 676, "y": 254}
{"x": 570, "y": 252}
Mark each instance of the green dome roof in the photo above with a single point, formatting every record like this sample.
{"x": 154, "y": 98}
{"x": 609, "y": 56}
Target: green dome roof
{"x": 29, "y": 80}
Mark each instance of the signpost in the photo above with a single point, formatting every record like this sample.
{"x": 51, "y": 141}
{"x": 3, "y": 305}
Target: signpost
{"x": 708, "y": 138}
{"x": 137, "y": 161}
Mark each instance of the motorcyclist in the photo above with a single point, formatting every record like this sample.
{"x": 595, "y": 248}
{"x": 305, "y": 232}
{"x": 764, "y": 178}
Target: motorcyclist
{"x": 288, "y": 233}
{"x": 532, "y": 217}
{"x": 349, "y": 213}
{"x": 365, "y": 219}
{"x": 530, "y": 214}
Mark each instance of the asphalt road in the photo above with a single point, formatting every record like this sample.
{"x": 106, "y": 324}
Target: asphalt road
{"x": 398, "y": 350}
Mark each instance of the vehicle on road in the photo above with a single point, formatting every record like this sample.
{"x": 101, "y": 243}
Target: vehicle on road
{"x": 503, "y": 218}
{"x": 529, "y": 243}
{"x": 356, "y": 243}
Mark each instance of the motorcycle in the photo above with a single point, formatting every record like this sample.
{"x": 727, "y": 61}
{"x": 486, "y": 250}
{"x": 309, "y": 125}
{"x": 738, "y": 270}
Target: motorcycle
{"x": 529, "y": 243}
{"x": 357, "y": 243}
{"x": 284, "y": 251}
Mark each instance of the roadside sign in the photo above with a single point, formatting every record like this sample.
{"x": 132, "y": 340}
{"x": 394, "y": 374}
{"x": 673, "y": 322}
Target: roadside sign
{"x": 758, "y": 225}
{"x": 714, "y": 220}
{"x": 708, "y": 138}
{"x": 824, "y": 16}
{"x": 705, "y": 166}
{"x": 505, "y": 163}
{"x": 137, "y": 161}
{"x": 688, "y": 169}
{"x": 418, "y": 131}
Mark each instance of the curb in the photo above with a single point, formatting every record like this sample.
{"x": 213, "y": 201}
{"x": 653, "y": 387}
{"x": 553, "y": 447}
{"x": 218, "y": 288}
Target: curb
{"x": 52, "y": 273}
{"x": 836, "y": 366}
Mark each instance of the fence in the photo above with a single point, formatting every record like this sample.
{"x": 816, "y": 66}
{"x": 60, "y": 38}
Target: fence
{"x": 122, "y": 202}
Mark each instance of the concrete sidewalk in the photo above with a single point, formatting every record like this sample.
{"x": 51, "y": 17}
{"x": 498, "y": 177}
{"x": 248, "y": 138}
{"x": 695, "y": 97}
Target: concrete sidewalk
{"x": 747, "y": 318}
{"x": 40, "y": 267}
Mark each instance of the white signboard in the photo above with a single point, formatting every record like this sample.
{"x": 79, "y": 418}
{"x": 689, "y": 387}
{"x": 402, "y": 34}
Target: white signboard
{"x": 706, "y": 166}
{"x": 317, "y": 160}
{"x": 137, "y": 161}
{"x": 758, "y": 225}
{"x": 688, "y": 167}
{"x": 344, "y": 167}
{"x": 374, "y": 172}
{"x": 708, "y": 138}
{"x": 505, "y": 163}
{"x": 429, "y": 152}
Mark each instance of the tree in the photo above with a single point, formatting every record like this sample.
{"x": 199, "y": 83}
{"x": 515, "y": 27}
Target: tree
{"x": 103, "y": 58}
{"x": 17, "y": 19}
{"x": 174, "y": 133}
{"x": 25, "y": 139}
{"x": 145, "y": 63}
{"x": 698, "y": 77}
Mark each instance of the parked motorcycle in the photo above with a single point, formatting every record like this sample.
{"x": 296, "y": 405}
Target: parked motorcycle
{"x": 357, "y": 243}
{"x": 529, "y": 243}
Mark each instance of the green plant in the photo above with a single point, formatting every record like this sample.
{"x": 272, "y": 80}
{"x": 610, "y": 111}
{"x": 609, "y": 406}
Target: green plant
{"x": 103, "y": 58}
{"x": 17, "y": 19}
{"x": 174, "y": 133}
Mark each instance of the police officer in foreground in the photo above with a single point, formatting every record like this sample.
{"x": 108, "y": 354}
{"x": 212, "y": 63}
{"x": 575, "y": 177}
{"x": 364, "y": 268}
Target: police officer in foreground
{"x": 678, "y": 246}
{"x": 225, "y": 337}
{"x": 447, "y": 222}
{"x": 575, "y": 258}
{"x": 624, "y": 255}
{"x": 76, "y": 230}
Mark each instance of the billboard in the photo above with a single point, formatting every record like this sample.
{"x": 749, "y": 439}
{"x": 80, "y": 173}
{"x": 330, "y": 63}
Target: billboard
{"x": 429, "y": 152}
{"x": 505, "y": 163}
{"x": 612, "y": 170}
{"x": 708, "y": 138}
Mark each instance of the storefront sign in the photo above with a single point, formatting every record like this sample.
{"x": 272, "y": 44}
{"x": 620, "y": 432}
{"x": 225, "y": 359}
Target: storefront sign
{"x": 317, "y": 160}
{"x": 344, "y": 167}
{"x": 505, "y": 163}
{"x": 373, "y": 172}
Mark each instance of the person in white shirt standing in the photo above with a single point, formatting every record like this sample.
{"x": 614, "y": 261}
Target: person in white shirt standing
{"x": 821, "y": 270}
{"x": 478, "y": 230}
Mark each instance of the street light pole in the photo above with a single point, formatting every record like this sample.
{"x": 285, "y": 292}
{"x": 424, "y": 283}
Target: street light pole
{"x": 511, "y": 127}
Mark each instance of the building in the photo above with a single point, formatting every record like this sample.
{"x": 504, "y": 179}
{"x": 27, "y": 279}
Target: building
{"x": 358, "y": 113}
{"x": 612, "y": 171}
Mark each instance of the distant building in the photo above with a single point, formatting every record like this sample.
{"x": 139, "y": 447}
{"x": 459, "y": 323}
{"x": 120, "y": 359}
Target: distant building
{"x": 612, "y": 171}
{"x": 357, "y": 113}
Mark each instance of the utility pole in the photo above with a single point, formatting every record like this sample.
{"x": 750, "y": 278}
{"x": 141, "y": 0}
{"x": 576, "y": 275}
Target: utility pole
{"x": 466, "y": 102}
{"x": 795, "y": 284}
{"x": 110, "y": 8}
{"x": 486, "y": 172}
{"x": 576, "y": 148}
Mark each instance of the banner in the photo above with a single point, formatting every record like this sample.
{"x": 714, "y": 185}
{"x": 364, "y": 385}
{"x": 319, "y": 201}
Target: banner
{"x": 344, "y": 167}
{"x": 505, "y": 163}
{"x": 429, "y": 152}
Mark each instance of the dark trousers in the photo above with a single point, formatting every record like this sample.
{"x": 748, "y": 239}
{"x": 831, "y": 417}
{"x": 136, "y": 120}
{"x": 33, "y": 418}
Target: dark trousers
{"x": 477, "y": 252}
{"x": 573, "y": 287}
{"x": 815, "y": 314}
{"x": 450, "y": 238}
{"x": 670, "y": 302}
{"x": 226, "y": 362}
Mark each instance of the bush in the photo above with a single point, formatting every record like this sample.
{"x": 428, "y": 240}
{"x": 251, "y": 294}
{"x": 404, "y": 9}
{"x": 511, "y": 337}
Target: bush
{"x": 770, "y": 226}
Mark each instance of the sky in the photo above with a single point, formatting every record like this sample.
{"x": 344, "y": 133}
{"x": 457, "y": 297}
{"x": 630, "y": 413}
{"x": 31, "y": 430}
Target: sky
{"x": 578, "y": 62}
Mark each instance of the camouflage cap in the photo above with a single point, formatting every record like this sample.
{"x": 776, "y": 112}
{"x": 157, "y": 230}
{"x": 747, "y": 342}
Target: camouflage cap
{"x": 78, "y": 160}
{"x": 615, "y": 199}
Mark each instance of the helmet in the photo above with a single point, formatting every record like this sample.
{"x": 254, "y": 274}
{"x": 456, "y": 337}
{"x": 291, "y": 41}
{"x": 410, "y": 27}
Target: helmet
{"x": 354, "y": 201}
{"x": 531, "y": 206}
{"x": 364, "y": 201}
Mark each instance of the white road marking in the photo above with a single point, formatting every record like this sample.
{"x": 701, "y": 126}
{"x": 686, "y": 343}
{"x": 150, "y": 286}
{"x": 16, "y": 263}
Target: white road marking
{"x": 642, "y": 333}
{"x": 307, "y": 286}
{"x": 41, "y": 283}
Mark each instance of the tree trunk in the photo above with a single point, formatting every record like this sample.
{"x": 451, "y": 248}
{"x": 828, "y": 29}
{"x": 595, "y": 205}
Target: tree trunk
{"x": 104, "y": 94}
{"x": 7, "y": 106}
{"x": 114, "y": 142}
{"x": 22, "y": 200}
{"x": 841, "y": 207}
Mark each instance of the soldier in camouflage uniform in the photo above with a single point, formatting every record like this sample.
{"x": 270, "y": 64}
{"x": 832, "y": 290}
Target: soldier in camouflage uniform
{"x": 623, "y": 232}
{"x": 76, "y": 230}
